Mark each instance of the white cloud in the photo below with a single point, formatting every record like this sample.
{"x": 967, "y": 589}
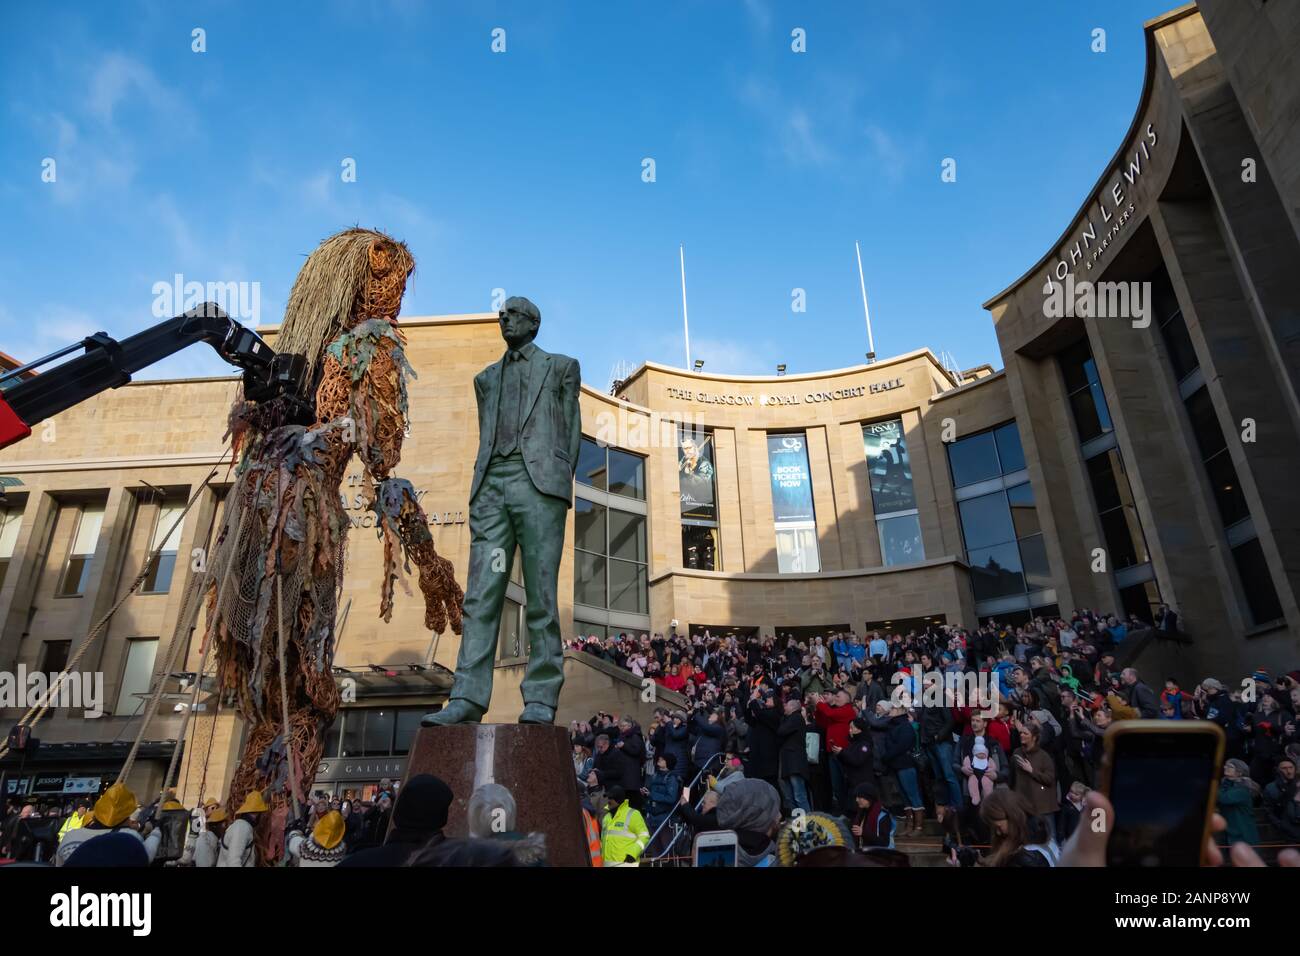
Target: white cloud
{"x": 316, "y": 190}
{"x": 760, "y": 15}
{"x": 790, "y": 122}
{"x": 732, "y": 357}
{"x": 95, "y": 157}
{"x": 823, "y": 127}
{"x": 186, "y": 246}
{"x": 889, "y": 155}
{"x": 118, "y": 79}
{"x": 725, "y": 356}
{"x": 801, "y": 142}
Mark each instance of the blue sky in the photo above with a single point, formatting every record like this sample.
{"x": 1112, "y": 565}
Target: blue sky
{"x": 522, "y": 170}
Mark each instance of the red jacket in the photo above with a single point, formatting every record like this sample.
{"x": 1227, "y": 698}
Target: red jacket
{"x": 835, "y": 722}
{"x": 961, "y": 718}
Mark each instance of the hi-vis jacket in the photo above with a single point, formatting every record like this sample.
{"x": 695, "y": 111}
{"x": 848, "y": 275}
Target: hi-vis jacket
{"x": 623, "y": 835}
{"x": 593, "y": 837}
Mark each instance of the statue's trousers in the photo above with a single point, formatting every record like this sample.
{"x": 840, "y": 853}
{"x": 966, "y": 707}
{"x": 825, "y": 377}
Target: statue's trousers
{"x": 508, "y": 510}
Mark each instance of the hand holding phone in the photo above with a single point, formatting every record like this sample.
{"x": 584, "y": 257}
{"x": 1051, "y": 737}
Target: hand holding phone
{"x": 1162, "y": 778}
{"x": 715, "y": 848}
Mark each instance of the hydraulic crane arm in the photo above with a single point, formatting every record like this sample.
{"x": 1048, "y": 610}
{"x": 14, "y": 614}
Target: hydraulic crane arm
{"x": 108, "y": 363}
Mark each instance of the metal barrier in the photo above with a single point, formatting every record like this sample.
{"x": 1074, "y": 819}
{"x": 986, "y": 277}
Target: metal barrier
{"x": 662, "y": 856}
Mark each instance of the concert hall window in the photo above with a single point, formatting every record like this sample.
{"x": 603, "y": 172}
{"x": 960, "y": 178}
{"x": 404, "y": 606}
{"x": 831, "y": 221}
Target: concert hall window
{"x": 610, "y": 536}
{"x": 1005, "y": 550}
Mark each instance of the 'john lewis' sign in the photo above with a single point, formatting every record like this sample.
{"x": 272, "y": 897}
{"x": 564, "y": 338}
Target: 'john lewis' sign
{"x": 1114, "y": 211}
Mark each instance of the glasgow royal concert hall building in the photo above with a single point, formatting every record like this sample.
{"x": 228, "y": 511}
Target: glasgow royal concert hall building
{"x": 1115, "y": 463}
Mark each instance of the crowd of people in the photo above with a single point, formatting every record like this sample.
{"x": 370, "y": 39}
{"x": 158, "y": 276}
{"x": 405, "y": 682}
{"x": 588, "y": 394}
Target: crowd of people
{"x": 875, "y": 732}
{"x": 833, "y": 751}
{"x": 402, "y": 826}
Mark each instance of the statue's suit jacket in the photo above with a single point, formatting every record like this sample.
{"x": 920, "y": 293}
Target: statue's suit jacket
{"x": 552, "y": 428}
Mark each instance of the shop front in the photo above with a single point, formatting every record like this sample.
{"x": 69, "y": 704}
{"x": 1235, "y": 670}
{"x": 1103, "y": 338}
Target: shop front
{"x": 357, "y": 778}
{"x": 61, "y": 774}
{"x": 365, "y": 746}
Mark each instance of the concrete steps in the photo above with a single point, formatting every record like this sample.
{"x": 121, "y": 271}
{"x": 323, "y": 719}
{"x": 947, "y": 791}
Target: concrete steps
{"x": 925, "y": 849}
{"x": 1268, "y": 834}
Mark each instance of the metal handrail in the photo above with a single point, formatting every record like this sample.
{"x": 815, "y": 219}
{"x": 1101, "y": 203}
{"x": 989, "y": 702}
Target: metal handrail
{"x": 677, "y": 806}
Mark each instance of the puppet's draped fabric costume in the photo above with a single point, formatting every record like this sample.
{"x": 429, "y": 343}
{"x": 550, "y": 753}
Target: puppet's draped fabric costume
{"x": 276, "y": 570}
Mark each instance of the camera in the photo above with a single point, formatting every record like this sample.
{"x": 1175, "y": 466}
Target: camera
{"x": 966, "y": 855}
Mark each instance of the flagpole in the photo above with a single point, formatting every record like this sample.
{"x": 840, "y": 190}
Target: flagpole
{"x": 686, "y": 322}
{"x": 871, "y": 345}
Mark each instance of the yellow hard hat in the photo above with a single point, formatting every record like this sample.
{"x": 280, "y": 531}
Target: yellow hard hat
{"x": 217, "y": 816}
{"x": 171, "y": 805}
{"x": 115, "y": 805}
{"x": 328, "y": 831}
{"x": 211, "y": 802}
{"x": 253, "y": 803}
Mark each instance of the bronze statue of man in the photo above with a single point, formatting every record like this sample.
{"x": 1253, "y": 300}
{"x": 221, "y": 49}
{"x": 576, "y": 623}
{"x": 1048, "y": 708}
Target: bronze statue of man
{"x": 529, "y": 428}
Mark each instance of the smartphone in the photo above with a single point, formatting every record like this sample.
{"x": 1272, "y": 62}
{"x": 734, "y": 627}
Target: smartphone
{"x": 1162, "y": 778}
{"x": 715, "y": 848}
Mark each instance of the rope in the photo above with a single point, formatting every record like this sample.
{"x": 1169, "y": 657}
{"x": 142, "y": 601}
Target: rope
{"x": 203, "y": 663}
{"x": 203, "y": 780}
{"x": 284, "y": 697}
{"x": 184, "y": 624}
{"x": 155, "y": 695}
{"x": 185, "y": 722}
{"x": 37, "y": 711}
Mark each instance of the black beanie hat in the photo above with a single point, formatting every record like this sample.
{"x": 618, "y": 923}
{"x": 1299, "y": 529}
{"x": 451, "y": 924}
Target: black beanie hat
{"x": 422, "y": 804}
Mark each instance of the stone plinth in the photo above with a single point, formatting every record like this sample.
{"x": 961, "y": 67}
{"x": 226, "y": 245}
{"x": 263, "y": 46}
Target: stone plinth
{"x": 533, "y": 761}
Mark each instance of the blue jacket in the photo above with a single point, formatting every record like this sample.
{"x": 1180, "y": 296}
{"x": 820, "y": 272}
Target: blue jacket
{"x": 1003, "y": 669}
{"x": 844, "y": 650}
{"x": 665, "y": 790}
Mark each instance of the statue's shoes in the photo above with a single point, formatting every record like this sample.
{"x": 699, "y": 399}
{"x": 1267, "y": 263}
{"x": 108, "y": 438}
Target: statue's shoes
{"x": 537, "y": 714}
{"x": 457, "y": 711}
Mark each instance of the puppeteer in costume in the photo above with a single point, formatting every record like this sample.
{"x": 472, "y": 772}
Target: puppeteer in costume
{"x": 530, "y": 429}
{"x": 277, "y": 567}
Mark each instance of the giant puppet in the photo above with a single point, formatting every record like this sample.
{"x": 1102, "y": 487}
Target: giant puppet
{"x": 277, "y": 566}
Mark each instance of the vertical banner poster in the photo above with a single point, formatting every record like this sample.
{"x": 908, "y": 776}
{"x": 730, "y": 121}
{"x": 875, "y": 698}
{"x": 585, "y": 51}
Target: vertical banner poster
{"x": 889, "y": 467}
{"x": 787, "y": 458}
{"x": 695, "y": 475}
